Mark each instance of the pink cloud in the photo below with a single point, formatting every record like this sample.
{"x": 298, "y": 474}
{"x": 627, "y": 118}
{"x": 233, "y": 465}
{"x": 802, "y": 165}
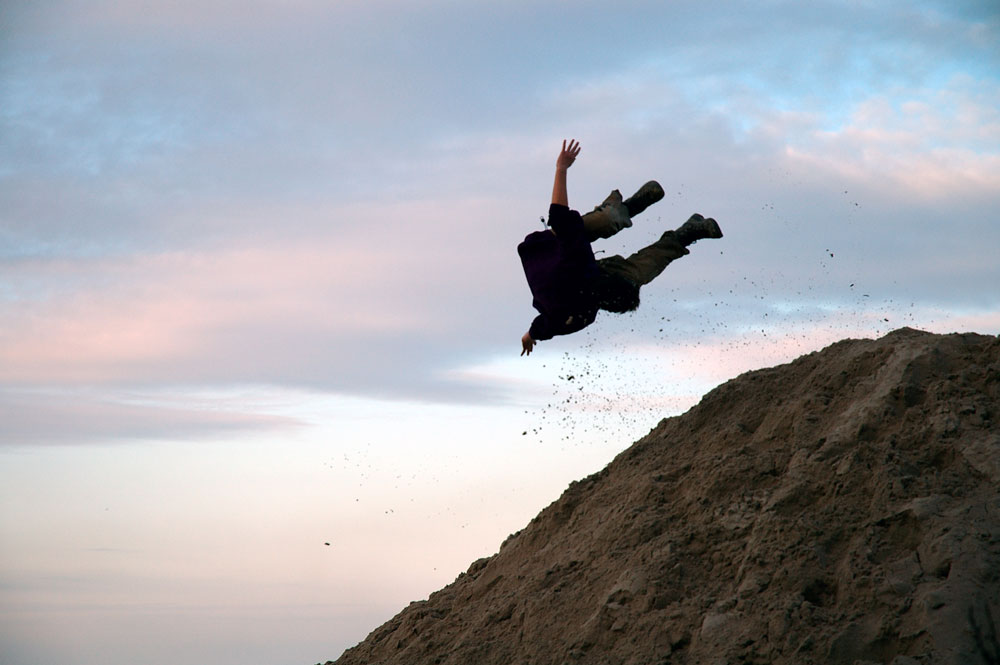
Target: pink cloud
{"x": 934, "y": 144}
{"x": 264, "y": 304}
{"x": 169, "y": 307}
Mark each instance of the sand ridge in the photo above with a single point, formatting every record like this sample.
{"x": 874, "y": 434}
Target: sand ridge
{"x": 843, "y": 508}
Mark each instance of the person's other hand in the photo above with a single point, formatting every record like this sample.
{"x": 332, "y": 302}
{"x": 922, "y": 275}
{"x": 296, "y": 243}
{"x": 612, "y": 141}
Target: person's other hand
{"x": 568, "y": 154}
{"x": 527, "y": 344}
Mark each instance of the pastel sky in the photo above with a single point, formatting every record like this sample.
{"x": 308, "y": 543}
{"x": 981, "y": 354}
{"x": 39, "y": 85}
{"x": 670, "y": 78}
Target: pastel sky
{"x": 261, "y": 305}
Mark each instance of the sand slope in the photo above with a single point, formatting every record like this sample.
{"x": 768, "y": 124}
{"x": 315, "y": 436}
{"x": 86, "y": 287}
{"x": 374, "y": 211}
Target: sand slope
{"x": 843, "y": 508}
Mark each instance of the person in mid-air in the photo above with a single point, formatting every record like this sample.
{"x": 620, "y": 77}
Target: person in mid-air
{"x": 568, "y": 285}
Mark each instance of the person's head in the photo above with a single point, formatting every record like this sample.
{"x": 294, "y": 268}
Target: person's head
{"x": 616, "y": 294}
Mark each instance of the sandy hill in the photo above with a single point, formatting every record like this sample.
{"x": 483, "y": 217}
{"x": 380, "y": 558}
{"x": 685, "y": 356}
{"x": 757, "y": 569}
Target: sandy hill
{"x": 843, "y": 508}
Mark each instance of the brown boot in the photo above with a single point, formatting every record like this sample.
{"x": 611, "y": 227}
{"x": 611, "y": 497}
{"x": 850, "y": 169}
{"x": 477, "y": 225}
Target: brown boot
{"x": 698, "y": 228}
{"x": 647, "y": 195}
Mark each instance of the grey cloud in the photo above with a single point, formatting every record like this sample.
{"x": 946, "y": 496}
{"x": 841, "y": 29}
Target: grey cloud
{"x": 296, "y": 108}
{"x": 164, "y": 135}
{"x": 72, "y": 416}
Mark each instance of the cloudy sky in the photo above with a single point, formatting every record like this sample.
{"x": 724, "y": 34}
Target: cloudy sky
{"x": 261, "y": 306}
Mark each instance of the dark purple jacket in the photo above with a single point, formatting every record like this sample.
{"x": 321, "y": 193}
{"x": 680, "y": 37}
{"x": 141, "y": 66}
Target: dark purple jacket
{"x": 560, "y": 269}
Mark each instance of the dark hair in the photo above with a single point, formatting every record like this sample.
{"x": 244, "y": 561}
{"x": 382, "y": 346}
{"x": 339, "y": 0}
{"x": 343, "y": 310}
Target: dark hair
{"x": 615, "y": 294}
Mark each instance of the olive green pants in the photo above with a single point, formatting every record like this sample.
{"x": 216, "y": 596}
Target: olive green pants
{"x": 607, "y": 219}
{"x": 645, "y": 265}
{"x": 642, "y": 267}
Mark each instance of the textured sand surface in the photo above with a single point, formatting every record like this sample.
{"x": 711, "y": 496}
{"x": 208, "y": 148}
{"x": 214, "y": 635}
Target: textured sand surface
{"x": 843, "y": 508}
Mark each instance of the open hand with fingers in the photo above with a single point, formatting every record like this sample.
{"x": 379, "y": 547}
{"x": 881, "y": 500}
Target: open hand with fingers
{"x": 568, "y": 154}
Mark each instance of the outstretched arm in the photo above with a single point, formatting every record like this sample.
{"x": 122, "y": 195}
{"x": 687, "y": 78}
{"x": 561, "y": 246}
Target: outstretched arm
{"x": 566, "y": 158}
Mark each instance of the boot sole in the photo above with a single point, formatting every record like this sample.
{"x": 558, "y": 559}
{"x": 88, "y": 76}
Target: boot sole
{"x": 647, "y": 195}
{"x": 714, "y": 231}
